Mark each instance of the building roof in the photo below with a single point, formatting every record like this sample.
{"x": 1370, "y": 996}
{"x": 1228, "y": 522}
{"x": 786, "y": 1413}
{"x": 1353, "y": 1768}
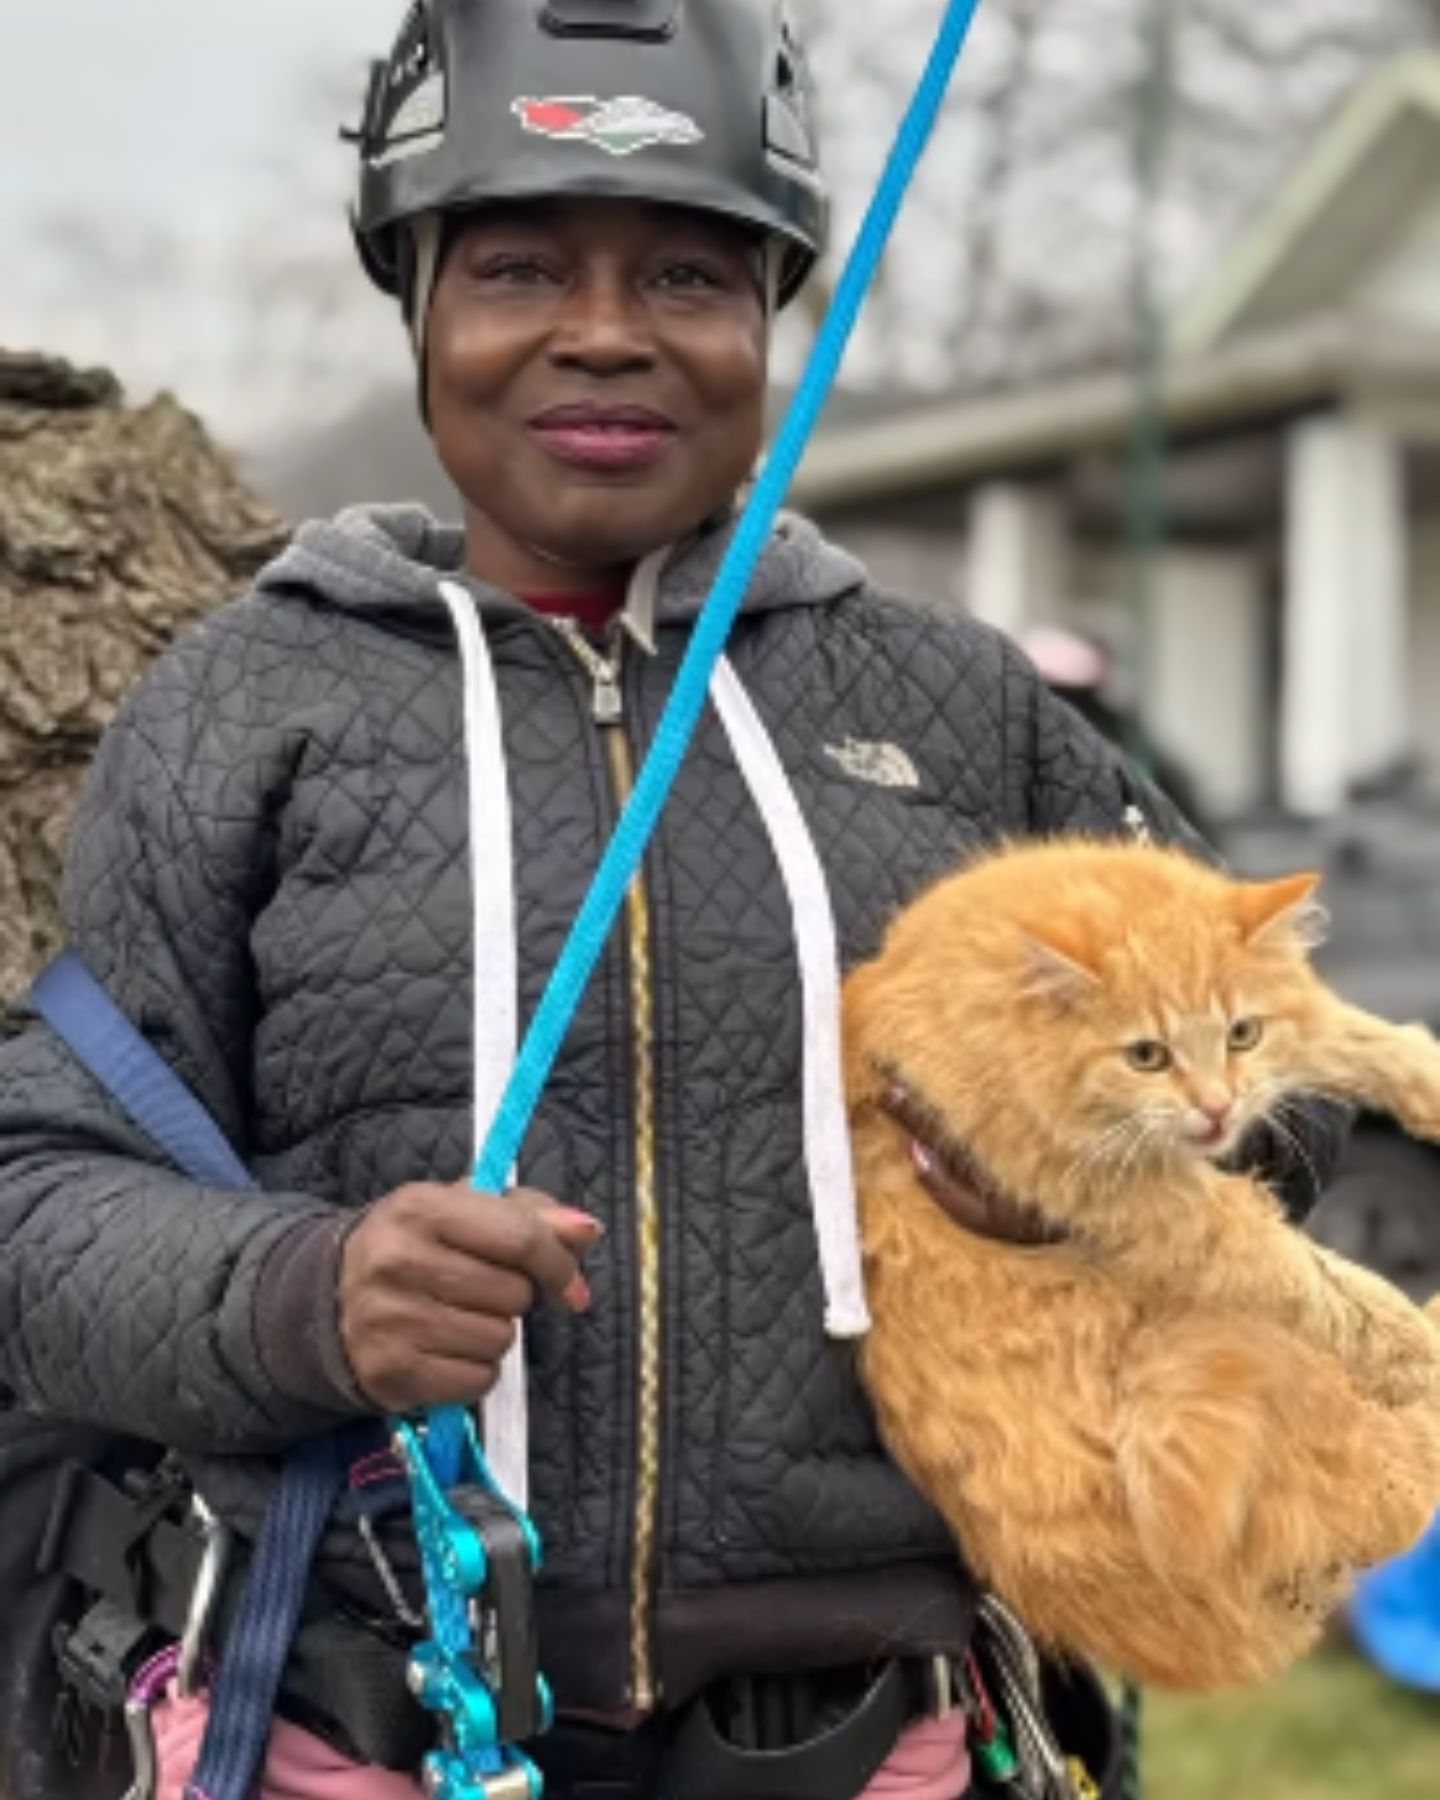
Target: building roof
{"x": 1341, "y": 208}
{"x": 1262, "y": 378}
{"x": 1269, "y": 334}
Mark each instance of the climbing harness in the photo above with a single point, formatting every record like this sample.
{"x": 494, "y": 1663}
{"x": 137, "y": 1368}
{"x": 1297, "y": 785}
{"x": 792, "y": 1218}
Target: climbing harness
{"x": 443, "y": 1452}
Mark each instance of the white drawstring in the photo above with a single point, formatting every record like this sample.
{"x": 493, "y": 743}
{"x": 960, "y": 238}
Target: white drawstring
{"x": 496, "y": 1027}
{"x": 827, "y": 1133}
{"x": 496, "y": 982}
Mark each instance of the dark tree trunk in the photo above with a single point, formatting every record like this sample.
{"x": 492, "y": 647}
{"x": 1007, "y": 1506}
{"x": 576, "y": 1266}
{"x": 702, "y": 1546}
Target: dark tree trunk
{"x": 118, "y": 527}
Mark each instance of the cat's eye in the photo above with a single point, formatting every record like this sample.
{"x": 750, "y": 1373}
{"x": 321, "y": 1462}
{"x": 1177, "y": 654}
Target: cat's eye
{"x": 1245, "y": 1034}
{"x": 1149, "y": 1057}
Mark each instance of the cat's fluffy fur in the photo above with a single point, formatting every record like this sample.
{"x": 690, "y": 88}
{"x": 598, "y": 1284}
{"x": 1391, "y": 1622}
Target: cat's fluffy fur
{"x": 1171, "y": 1439}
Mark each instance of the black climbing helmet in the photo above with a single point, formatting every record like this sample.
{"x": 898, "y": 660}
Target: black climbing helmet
{"x": 698, "y": 103}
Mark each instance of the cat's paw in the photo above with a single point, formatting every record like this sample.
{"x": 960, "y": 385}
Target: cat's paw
{"x": 1398, "y": 1361}
{"x": 1416, "y": 1104}
{"x": 1401, "y": 1384}
{"x": 1390, "y": 1348}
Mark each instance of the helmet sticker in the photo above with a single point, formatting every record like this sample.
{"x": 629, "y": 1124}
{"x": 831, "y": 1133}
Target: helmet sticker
{"x": 619, "y": 127}
{"x": 410, "y": 107}
{"x": 423, "y": 110}
{"x": 418, "y": 126}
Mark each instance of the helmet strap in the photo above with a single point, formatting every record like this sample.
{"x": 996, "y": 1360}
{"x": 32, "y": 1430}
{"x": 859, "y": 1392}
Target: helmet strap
{"x": 427, "y": 236}
{"x": 775, "y": 253}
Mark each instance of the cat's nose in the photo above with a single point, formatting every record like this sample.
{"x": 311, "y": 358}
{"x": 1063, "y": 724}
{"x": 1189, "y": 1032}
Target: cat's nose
{"x": 1210, "y": 1121}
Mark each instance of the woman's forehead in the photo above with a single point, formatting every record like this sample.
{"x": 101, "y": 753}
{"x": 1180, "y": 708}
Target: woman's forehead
{"x": 599, "y": 218}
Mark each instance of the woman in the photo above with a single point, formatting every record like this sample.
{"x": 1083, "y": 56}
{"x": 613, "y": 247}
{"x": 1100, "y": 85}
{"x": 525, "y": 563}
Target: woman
{"x": 309, "y": 868}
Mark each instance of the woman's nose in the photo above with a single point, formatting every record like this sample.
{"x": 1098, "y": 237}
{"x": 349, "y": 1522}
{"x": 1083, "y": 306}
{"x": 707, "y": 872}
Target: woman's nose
{"x": 604, "y": 328}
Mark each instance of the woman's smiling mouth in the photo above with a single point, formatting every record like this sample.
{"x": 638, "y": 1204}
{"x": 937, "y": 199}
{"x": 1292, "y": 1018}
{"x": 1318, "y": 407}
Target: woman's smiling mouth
{"x": 605, "y": 438}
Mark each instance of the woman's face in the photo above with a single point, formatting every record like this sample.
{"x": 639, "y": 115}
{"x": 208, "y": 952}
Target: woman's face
{"x": 595, "y": 373}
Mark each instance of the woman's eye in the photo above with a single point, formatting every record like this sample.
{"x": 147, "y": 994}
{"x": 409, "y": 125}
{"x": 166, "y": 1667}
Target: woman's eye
{"x": 1149, "y": 1057}
{"x": 518, "y": 271}
{"x": 688, "y": 276}
{"x": 1245, "y": 1034}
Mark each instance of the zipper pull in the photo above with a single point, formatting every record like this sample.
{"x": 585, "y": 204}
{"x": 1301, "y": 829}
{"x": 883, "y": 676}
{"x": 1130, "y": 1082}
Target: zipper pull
{"x": 607, "y": 705}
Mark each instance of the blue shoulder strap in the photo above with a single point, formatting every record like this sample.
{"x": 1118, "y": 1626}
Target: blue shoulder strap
{"x": 80, "y": 1012}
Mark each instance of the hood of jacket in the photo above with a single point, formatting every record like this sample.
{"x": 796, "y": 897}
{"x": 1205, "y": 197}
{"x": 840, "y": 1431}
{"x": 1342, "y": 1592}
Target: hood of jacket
{"x": 389, "y": 560}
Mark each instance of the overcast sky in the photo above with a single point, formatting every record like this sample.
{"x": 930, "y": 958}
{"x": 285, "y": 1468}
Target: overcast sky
{"x": 162, "y": 128}
{"x": 168, "y": 104}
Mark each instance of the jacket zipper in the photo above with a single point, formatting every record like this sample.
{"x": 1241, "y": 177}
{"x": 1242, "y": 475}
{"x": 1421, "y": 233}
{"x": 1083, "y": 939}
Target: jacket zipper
{"x": 608, "y": 710}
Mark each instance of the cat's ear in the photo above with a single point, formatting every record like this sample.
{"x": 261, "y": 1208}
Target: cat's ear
{"x": 1054, "y": 973}
{"x": 1282, "y": 913}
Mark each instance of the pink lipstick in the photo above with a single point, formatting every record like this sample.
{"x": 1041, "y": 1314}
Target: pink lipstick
{"x": 605, "y": 438}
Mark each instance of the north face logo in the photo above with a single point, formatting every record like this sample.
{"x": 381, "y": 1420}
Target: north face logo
{"x": 882, "y": 765}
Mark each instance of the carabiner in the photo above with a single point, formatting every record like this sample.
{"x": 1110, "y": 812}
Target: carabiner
{"x": 1016, "y": 1667}
{"x": 146, "y": 1692}
{"x": 205, "y": 1597}
{"x": 140, "y": 1733}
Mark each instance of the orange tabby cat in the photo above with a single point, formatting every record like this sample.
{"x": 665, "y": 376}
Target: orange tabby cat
{"x": 1164, "y": 1425}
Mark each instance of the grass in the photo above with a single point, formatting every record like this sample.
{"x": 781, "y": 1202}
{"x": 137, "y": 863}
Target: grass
{"x": 1333, "y": 1730}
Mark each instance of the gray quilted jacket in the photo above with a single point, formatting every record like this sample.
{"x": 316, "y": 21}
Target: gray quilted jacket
{"x": 272, "y": 873}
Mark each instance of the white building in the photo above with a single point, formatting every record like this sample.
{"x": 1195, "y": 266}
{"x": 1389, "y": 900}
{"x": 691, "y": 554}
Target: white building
{"x": 1294, "y": 644}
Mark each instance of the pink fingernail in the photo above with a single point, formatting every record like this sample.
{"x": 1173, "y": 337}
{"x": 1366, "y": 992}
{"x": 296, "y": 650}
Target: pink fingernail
{"x": 572, "y": 1215}
{"x": 578, "y": 1296}
{"x": 924, "y": 1161}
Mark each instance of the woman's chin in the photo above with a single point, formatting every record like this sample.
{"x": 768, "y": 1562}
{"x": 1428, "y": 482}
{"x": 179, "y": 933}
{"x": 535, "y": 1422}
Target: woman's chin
{"x": 602, "y": 532}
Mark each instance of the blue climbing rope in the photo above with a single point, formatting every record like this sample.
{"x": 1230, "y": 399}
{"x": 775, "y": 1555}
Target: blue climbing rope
{"x": 447, "y": 1441}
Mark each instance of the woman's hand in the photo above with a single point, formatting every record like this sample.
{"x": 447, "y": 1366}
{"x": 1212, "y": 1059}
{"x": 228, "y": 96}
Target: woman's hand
{"x": 433, "y": 1280}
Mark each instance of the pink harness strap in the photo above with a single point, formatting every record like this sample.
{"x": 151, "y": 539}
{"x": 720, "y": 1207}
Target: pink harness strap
{"x": 931, "y": 1762}
{"x": 298, "y": 1767}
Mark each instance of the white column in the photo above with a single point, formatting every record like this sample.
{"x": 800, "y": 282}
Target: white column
{"x": 1344, "y": 709}
{"x": 1017, "y": 562}
{"x": 1207, "y": 702}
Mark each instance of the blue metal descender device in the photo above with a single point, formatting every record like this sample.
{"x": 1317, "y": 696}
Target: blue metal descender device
{"x": 477, "y": 1671}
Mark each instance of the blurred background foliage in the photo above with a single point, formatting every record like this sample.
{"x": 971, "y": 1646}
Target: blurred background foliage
{"x": 1334, "y": 1730}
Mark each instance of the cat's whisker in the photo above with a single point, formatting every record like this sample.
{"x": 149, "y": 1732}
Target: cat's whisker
{"x": 1095, "y": 1151}
{"x": 1134, "y": 1132}
{"x": 1276, "y": 1104}
{"x": 1296, "y": 1144}
{"x": 1144, "y": 1128}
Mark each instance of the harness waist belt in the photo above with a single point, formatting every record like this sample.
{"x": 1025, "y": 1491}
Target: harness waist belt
{"x": 344, "y": 1678}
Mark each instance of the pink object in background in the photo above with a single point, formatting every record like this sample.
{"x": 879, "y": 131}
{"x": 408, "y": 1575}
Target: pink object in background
{"x": 1064, "y": 658}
